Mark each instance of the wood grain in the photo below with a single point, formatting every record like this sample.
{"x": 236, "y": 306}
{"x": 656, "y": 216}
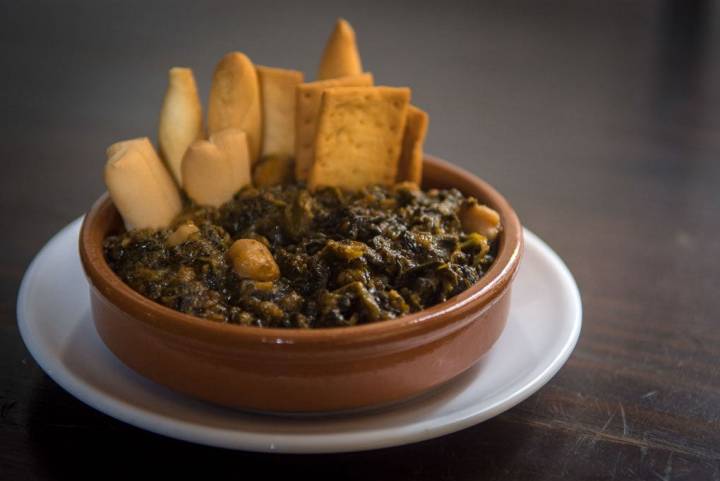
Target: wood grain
{"x": 598, "y": 120}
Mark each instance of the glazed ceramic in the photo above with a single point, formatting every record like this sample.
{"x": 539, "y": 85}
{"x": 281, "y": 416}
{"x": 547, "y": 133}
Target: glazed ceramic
{"x": 53, "y": 312}
{"x": 294, "y": 370}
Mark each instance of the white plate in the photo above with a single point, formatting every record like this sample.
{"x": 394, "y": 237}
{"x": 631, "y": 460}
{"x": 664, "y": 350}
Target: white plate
{"x": 54, "y": 318}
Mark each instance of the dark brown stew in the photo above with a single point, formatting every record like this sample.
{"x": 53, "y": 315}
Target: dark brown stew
{"x": 344, "y": 258}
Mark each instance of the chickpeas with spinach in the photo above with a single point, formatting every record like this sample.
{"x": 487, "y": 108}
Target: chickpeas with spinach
{"x": 282, "y": 256}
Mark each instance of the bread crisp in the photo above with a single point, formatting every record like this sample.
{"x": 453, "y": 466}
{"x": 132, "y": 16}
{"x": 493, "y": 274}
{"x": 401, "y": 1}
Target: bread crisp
{"x": 277, "y": 91}
{"x": 341, "y": 57}
{"x": 140, "y": 143}
{"x": 142, "y": 190}
{"x": 308, "y": 98}
{"x": 214, "y": 170}
{"x": 359, "y": 136}
{"x": 411, "y": 156}
{"x": 235, "y": 100}
{"x": 234, "y": 144}
{"x": 180, "y": 119}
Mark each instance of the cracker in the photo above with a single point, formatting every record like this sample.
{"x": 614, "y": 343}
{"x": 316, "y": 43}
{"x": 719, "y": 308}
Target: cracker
{"x": 277, "y": 92}
{"x": 309, "y": 98}
{"x": 180, "y": 119}
{"x": 411, "y": 155}
{"x": 234, "y": 100}
{"x": 140, "y": 186}
{"x": 340, "y": 57}
{"x": 359, "y": 136}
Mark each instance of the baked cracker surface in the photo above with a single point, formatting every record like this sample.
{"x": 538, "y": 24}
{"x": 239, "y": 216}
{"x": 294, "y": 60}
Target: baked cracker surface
{"x": 359, "y": 136}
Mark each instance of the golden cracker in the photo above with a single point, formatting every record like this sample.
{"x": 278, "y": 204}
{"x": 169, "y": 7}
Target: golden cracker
{"x": 308, "y": 101}
{"x": 359, "y": 136}
{"x": 411, "y": 156}
{"x": 277, "y": 92}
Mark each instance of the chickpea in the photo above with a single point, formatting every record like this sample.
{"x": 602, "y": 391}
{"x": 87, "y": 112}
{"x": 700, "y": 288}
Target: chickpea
{"x": 481, "y": 219}
{"x": 182, "y": 234}
{"x": 252, "y": 260}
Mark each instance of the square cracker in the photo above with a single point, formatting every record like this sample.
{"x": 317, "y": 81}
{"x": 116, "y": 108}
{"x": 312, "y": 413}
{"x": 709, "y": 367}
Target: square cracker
{"x": 411, "y": 156}
{"x": 359, "y": 136}
{"x": 308, "y": 98}
{"x": 277, "y": 94}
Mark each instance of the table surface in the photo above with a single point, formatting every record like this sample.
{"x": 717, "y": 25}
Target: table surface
{"x": 598, "y": 120}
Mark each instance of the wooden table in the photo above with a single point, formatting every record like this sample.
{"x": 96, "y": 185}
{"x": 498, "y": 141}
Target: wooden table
{"x": 598, "y": 120}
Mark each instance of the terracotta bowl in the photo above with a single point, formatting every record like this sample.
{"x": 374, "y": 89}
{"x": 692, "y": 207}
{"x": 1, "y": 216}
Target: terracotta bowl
{"x": 295, "y": 370}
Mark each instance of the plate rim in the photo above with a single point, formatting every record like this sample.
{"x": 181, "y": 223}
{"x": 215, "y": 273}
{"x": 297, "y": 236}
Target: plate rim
{"x": 295, "y": 443}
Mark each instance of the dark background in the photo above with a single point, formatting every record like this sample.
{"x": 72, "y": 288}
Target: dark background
{"x": 598, "y": 120}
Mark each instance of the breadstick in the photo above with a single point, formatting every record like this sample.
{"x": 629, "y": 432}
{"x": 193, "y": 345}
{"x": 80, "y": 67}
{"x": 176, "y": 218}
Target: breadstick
{"x": 180, "y": 119}
{"x": 341, "y": 57}
{"x": 141, "y": 188}
{"x": 214, "y": 170}
{"x": 235, "y": 100}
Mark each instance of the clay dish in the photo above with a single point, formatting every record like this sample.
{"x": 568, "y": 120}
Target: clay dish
{"x": 296, "y": 370}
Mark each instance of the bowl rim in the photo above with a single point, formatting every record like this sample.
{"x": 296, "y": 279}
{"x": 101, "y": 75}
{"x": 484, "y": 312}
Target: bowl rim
{"x": 480, "y": 295}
